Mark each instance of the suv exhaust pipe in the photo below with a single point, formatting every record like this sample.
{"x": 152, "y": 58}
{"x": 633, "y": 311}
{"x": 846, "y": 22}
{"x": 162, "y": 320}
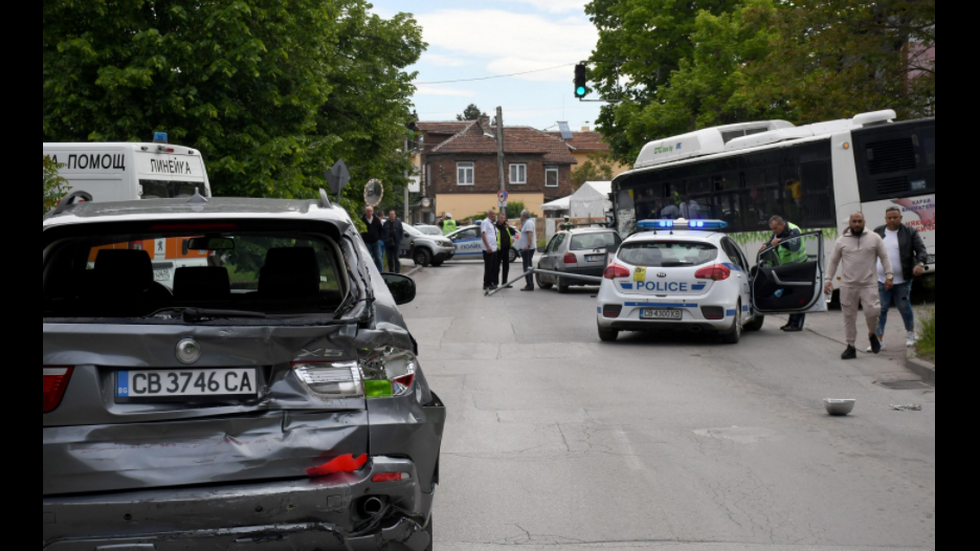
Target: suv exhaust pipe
{"x": 372, "y": 507}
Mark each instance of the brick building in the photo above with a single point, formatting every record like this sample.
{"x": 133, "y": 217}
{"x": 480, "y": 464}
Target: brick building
{"x": 459, "y": 167}
{"x": 586, "y": 144}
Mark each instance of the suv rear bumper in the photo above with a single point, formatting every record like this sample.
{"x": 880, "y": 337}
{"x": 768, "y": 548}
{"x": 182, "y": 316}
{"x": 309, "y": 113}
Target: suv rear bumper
{"x": 307, "y": 514}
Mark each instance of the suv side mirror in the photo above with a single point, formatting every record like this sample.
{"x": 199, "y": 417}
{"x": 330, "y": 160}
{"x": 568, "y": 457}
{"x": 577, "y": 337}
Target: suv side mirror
{"x": 402, "y": 288}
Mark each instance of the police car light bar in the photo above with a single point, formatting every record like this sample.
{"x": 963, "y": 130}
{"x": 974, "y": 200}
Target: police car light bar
{"x": 683, "y": 224}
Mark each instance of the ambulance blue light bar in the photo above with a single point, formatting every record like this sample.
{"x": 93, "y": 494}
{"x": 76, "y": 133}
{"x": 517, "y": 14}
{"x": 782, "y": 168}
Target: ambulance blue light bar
{"x": 707, "y": 225}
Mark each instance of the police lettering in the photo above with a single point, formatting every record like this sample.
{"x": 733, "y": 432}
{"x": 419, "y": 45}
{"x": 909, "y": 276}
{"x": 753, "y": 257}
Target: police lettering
{"x": 663, "y": 287}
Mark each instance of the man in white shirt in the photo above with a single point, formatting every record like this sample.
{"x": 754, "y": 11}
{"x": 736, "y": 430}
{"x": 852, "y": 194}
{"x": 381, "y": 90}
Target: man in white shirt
{"x": 525, "y": 245}
{"x": 907, "y": 253}
{"x": 488, "y": 234}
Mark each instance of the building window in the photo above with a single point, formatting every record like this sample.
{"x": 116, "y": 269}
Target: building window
{"x": 465, "y": 174}
{"x": 518, "y": 174}
{"x": 551, "y": 177}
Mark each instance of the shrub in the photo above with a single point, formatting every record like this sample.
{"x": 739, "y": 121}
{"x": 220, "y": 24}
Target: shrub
{"x": 927, "y": 335}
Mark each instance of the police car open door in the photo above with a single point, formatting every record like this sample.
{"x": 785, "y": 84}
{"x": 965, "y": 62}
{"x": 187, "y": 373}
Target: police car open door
{"x": 789, "y": 278}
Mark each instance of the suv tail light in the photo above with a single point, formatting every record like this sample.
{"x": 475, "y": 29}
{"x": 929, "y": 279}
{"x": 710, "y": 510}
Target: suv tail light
{"x": 571, "y": 259}
{"x": 55, "y": 383}
{"x": 388, "y": 374}
{"x": 615, "y": 271}
{"x": 717, "y": 272}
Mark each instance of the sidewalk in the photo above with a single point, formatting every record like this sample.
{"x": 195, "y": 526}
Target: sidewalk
{"x": 830, "y": 325}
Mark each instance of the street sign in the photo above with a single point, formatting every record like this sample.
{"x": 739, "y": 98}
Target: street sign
{"x": 338, "y": 178}
{"x": 415, "y": 184}
{"x": 503, "y": 196}
{"x": 374, "y": 193}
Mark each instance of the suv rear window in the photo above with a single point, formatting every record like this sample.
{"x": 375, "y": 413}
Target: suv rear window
{"x": 140, "y": 275}
{"x": 592, "y": 241}
{"x": 668, "y": 254}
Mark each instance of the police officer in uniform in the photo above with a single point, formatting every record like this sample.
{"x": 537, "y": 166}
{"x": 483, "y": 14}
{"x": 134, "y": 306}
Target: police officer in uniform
{"x": 788, "y": 252}
{"x": 448, "y": 225}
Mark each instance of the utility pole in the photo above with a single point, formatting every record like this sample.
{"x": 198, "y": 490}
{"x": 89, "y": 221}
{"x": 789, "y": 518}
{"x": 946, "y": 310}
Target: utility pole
{"x": 500, "y": 149}
{"x": 407, "y": 196}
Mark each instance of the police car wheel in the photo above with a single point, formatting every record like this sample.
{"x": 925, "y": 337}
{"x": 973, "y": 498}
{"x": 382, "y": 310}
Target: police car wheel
{"x": 735, "y": 335}
{"x": 514, "y": 255}
{"x": 756, "y": 324}
{"x": 608, "y": 335}
{"x": 543, "y": 285}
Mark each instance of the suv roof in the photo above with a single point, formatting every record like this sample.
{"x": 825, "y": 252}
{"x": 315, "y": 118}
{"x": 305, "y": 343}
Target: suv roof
{"x": 182, "y": 209}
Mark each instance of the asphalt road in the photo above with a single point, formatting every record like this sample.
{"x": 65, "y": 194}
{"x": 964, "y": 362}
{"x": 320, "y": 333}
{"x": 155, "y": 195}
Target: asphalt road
{"x": 556, "y": 441}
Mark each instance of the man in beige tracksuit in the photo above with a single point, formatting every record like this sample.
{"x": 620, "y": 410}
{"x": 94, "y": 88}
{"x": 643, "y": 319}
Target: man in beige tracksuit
{"x": 859, "y": 252}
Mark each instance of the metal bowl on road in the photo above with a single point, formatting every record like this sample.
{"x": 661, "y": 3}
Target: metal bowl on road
{"x": 840, "y": 408}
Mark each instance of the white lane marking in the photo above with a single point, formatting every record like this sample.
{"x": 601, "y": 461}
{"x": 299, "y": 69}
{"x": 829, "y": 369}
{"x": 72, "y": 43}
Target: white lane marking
{"x": 632, "y": 461}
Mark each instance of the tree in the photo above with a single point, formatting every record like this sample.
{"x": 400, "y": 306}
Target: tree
{"x": 597, "y": 169}
{"x": 833, "y": 59}
{"x": 272, "y": 92}
{"x": 472, "y": 113}
{"x": 641, "y": 42}
{"x": 54, "y": 187}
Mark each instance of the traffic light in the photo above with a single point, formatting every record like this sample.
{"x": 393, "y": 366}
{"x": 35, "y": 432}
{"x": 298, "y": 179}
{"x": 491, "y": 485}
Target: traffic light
{"x": 581, "y": 79}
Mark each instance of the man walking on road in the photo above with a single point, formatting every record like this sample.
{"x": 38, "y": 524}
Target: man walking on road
{"x": 788, "y": 251}
{"x": 488, "y": 234}
{"x": 908, "y": 255}
{"x": 374, "y": 237}
{"x": 393, "y": 234}
{"x": 526, "y": 242}
{"x": 859, "y": 250}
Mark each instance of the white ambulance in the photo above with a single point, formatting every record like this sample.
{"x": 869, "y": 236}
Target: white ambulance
{"x": 113, "y": 172}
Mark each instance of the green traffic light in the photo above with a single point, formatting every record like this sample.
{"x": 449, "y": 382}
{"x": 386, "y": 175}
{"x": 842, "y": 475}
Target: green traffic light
{"x": 580, "y": 91}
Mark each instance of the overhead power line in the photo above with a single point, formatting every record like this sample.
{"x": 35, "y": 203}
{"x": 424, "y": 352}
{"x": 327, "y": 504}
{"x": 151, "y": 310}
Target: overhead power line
{"x": 493, "y": 77}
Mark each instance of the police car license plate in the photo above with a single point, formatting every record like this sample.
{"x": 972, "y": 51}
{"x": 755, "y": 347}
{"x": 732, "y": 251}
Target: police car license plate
{"x": 161, "y": 275}
{"x": 662, "y": 315}
{"x": 196, "y": 383}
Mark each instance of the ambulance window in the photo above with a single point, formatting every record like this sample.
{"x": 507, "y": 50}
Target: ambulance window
{"x": 160, "y": 189}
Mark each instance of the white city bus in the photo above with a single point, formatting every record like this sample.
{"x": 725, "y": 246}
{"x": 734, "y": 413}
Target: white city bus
{"x": 814, "y": 176}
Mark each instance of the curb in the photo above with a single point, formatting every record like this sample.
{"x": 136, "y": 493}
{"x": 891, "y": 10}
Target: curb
{"x": 921, "y": 368}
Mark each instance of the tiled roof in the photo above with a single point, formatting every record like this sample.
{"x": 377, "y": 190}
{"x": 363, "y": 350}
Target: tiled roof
{"x": 517, "y": 140}
{"x": 585, "y": 141}
{"x": 442, "y": 127}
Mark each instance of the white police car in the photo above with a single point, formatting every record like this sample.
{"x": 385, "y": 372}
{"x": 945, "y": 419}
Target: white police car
{"x": 688, "y": 276}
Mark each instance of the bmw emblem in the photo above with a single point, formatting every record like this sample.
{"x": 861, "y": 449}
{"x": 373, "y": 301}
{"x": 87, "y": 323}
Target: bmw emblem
{"x": 662, "y": 275}
{"x": 188, "y": 351}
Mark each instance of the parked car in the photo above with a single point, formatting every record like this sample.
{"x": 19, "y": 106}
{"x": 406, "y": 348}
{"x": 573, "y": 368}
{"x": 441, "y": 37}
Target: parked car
{"x": 467, "y": 242}
{"x": 272, "y": 397}
{"x": 690, "y": 277}
{"x": 579, "y": 252}
{"x": 426, "y": 250}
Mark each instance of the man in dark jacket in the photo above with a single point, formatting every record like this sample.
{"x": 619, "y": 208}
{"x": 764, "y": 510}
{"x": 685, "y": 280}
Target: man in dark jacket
{"x": 374, "y": 237}
{"x": 505, "y": 242}
{"x": 393, "y": 235}
{"x": 908, "y": 255}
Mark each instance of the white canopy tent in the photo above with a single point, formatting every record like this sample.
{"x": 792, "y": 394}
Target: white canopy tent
{"x": 591, "y": 201}
{"x": 561, "y": 205}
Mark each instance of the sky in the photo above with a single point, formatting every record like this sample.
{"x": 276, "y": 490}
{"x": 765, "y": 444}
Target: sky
{"x": 534, "y": 35}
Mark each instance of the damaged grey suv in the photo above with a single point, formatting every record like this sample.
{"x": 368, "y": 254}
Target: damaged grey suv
{"x": 229, "y": 374}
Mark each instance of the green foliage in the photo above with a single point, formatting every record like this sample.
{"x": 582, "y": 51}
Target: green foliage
{"x": 597, "y": 169}
{"x": 54, "y": 187}
{"x": 272, "y": 92}
{"x": 736, "y": 61}
{"x": 471, "y": 113}
{"x": 927, "y": 336}
{"x": 833, "y": 59}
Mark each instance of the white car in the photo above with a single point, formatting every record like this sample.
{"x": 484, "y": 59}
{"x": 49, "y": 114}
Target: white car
{"x": 688, "y": 276}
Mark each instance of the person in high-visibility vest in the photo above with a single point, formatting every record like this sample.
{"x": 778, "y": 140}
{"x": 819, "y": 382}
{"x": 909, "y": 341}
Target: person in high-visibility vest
{"x": 788, "y": 251}
{"x": 448, "y": 225}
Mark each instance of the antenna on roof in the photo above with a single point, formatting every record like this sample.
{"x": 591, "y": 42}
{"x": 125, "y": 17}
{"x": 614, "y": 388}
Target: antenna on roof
{"x": 566, "y": 131}
{"x": 197, "y": 199}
